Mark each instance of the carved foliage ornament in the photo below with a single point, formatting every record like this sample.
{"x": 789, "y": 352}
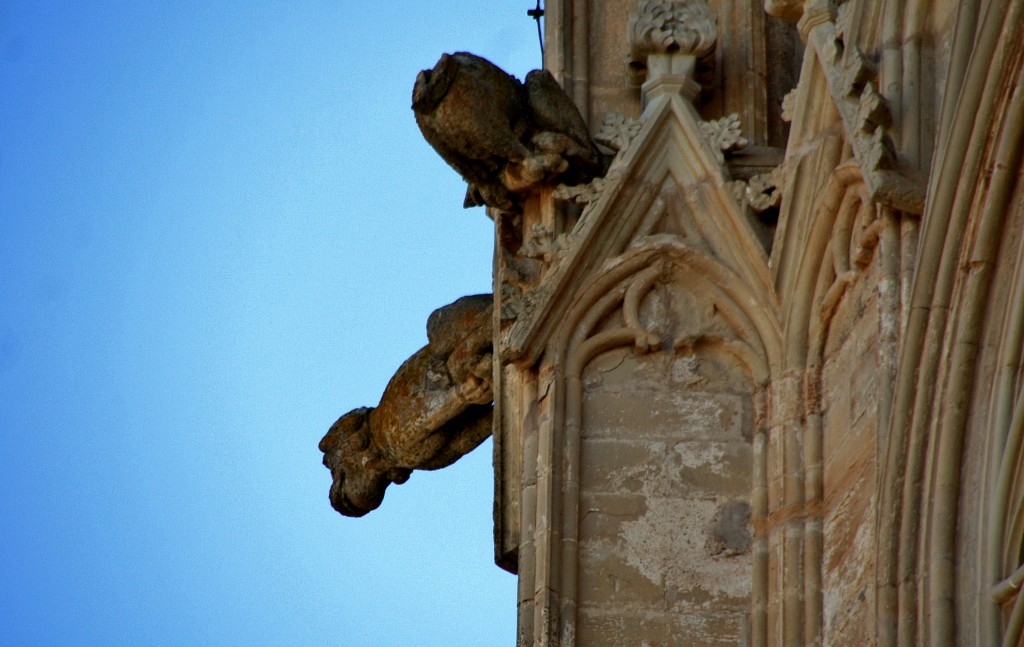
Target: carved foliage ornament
{"x": 724, "y": 135}
{"x": 760, "y": 192}
{"x": 590, "y": 193}
{"x": 671, "y": 27}
{"x": 618, "y": 131}
{"x": 852, "y": 78}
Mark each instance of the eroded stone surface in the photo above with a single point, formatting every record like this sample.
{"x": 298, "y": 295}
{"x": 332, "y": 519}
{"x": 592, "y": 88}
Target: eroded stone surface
{"x": 435, "y": 409}
{"x": 867, "y": 520}
{"x": 665, "y": 532}
{"x": 502, "y": 136}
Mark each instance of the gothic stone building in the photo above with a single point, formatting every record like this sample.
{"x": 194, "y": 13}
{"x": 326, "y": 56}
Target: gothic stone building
{"x": 761, "y": 384}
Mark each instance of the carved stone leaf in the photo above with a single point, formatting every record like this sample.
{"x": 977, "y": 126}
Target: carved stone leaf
{"x": 761, "y": 191}
{"x": 587, "y": 193}
{"x": 851, "y": 75}
{"x": 617, "y": 131}
{"x": 724, "y": 134}
{"x": 543, "y": 244}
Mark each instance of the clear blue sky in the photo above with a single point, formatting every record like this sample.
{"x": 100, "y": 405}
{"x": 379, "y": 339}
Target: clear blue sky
{"x": 219, "y": 230}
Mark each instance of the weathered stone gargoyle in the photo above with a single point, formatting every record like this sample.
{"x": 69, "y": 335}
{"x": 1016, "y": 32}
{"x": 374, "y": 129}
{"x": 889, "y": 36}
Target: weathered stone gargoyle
{"x": 435, "y": 409}
{"x": 502, "y": 136}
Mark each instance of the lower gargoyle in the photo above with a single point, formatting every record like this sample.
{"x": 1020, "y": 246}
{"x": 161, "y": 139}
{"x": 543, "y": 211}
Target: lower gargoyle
{"x": 435, "y": 409}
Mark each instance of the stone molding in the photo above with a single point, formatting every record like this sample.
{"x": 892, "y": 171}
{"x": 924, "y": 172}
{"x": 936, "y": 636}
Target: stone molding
{"x": 671, "y": 133}
{"x": 865, "y": 115}
{"x": 964, "y": 321}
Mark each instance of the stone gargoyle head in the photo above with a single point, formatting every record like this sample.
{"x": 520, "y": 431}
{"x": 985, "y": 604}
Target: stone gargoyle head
{"x": 360, "y": 472}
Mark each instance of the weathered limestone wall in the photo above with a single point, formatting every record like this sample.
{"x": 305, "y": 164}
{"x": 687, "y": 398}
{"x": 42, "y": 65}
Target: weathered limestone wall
{"x": 665, "y": 487}
{"x": 876, "y": 429}
{"x": 850, "y": 383}
{"x": 587, "y": 44}
{"x": 759, "y": 396}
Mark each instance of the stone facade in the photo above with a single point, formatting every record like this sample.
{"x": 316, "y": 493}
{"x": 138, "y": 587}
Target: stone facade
{"x": 761, "y": 383}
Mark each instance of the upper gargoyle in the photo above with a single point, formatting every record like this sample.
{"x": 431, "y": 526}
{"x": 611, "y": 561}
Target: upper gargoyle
{"x": 502, "y": 136}
{"x": 435, "y": 409}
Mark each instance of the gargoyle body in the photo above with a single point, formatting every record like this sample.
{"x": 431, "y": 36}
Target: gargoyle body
{"x": 502, "y": 136}
{"x": 435, "y": 409}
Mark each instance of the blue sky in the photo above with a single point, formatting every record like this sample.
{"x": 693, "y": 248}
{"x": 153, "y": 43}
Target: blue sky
{"x": 220, "y": 229}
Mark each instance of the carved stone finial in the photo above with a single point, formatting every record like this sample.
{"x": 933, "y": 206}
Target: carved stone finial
{"x": 666, "y": 40}
{"x": 671, "y": 27}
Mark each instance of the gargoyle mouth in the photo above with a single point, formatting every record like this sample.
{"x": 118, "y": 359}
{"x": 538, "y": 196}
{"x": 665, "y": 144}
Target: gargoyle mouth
{"x": 339, "y": 499}
{"x": 357, "y": 493}
{"x": 343, "y": 504}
